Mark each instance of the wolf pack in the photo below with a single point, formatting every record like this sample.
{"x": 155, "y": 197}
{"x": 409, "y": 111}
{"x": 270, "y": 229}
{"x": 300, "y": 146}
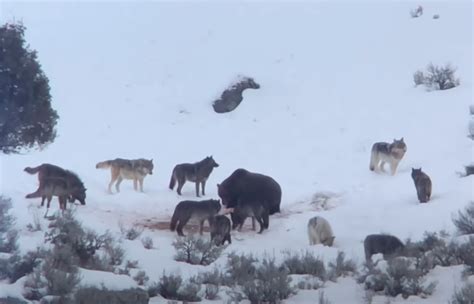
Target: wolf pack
{"x": 243, "y": 194}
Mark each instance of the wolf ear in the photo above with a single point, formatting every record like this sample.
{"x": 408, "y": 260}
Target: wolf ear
{"x": 151, "y": 160}
{"x": 401, "y": 139}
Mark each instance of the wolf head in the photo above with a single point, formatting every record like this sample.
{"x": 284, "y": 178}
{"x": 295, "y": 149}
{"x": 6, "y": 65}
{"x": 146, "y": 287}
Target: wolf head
{"x": 215, "y": 205}
{"x": 415, "y": 172}
{"x": 399, "y": 144}
{"x": 147, "y": 166}
{"x": 210, "y": 162}
{"x": 251, "y": 84}
{"x": 223, "y": 194}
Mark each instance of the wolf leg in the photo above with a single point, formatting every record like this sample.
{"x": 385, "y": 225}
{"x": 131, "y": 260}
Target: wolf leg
{"x": 393, "y": 167}
{"x": 260, "y": 221}
{"x": 140, "y": 182}
{"x": 114, "y": 176}
{"x": 203, "y": 186}
{"x": 181, "y": 224}
{"x": 180, "y": 186}
{"x": 201, "y": 227}
{"x": 135, "y": 181}
{"x": 197, "y": 189}
{"x": 227, "y": 238}
{"x": 253, "y": 224}
{"x": 117, "y": 185}
{"x": 381, "y": 166}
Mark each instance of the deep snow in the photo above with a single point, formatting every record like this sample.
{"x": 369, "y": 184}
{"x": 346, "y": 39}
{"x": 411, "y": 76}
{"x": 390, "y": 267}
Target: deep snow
{"x": 137, "y": 80}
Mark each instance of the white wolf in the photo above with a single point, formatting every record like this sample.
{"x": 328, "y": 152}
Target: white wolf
{"x": 320, "y": 232}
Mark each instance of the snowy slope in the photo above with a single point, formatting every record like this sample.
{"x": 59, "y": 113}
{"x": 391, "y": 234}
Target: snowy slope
{"x": 137, "y": 80}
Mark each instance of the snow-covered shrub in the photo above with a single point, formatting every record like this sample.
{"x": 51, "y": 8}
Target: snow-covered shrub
{"x": 270, "y": 285}
{"x": 36, "y": 224}
{"x": 211, "y": 291}
{"x": 60, "y": 271}
{"x": 35, "y": 286}
{"x": 465, "y": 254}
{"x": 8, "y": 235}
{"x": 141, "y": 278}
{"x": 437, "y": 77}
{"x": 188, "y": 292}
{"x": 341, "y": 267}
{"x": 115, "y": 253}
{"x": 21, "y": 265}
{"x": 94, "y": 295}
{"x": 195, "y": 250}
{"x": 239, "y": 268}
{"x": 210, "y": 277}
{"x": 322, "y": 298}
{"x": 304, "y": 263}
{"x": 131, "y": 264}
{"x": 131, "y": 233}
{"x": 147, "y": 242}
{"x": 310, "y": 282}
{"x": 171, "y": 287}
{"x": 465, "y": 220}
{"x": 418, "y": 78}
{"x": 10, "y": 300}
{"x": 415, "y": 13}
{"x": 397, "y": 276}
{"x": 464, "y": 296}
{"x": 67, "y": 230}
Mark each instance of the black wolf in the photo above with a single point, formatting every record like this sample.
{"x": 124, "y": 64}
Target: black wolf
{"x": 134, "y": 169}
{"x": 244, "y": 186}
{"x": 388, "y": 245}
{"x": 220, "y": 229}
{"x": 50, "y": 187}
{"x": 248, "y": 208}
{"x": 422, "y": 184}
{"x": 197, "y": 210}
{"x": 198, "y": 172}
{"x": 73, "y": 183}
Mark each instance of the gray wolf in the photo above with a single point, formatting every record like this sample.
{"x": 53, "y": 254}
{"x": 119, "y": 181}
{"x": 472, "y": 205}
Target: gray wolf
{"x": 220, "y": 229}
{"x": 422, "y": 184}
{"x": 232, "y": 96}
{"x": 134, "y": 169}
{"x": 243, "y": 186}
{"x": 320, "y": 232}
{"x": 196, "y": 210}
{"x": 50, "y": 173}
{"x": 388, "y": 245}
{"x": 383, "y": 152}
{"x": 60, "y": 187}
{"x": 248, "y": 208}
{"x": 197, "y": 172}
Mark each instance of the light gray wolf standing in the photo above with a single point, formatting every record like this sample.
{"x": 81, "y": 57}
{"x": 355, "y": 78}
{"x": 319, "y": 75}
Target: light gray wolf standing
{"x": 320, "y": 232}
{"x": 198, "y": 172}
{"x": 391, "y": 153}
{"x": 422, "y": 184}
{"x": 70, "y": 179}
{"x": 196, "y": 210}
{"x": 220, "y": 229}
{"x": 388, "y": 245}
{"x": 134, "y": 169}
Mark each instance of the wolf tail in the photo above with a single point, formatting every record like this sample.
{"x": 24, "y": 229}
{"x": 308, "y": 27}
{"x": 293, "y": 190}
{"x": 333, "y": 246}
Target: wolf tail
{"x": 33, "y": 170}
{"x": 174, "y": 220}
{"x": 172, "y": 181}
{"x": 34, "y": 194}
{"x": 373, "y": 159}
{"x": 104, "y": 165}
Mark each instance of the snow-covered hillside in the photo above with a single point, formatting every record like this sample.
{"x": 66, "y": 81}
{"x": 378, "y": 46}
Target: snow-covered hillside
{"x": 137, "y": 80}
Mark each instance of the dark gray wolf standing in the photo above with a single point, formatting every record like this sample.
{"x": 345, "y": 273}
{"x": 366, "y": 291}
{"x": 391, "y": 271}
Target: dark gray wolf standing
{"x": 49, "y": 174}
{"x": 391, "y": 153}
{"x": 198, "y": 172}
{"x": 197, "y": 210}
{"x": 388, "y": 245}
{"x": 54, "y": 187}
{"x": 320, "y": 232}
{"x": 422, "y": 184}
{"x": 134, "y": 169}
{"x": 249, "y": 208}
{"x": 220, "y": 229}
{"x": 243, "y": 186}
